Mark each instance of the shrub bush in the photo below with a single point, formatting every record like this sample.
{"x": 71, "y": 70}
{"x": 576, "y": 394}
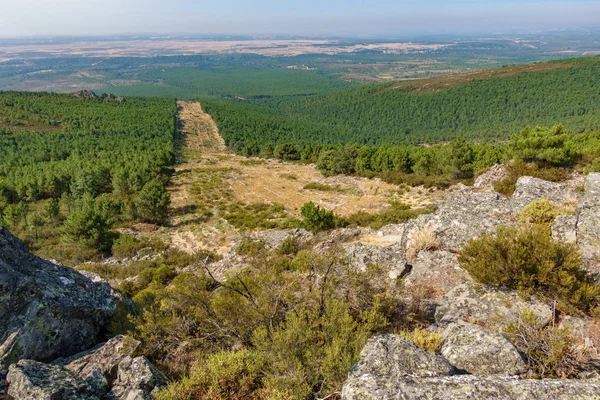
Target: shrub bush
{"x": 550, "y": 351}
{"x": 429, "y": 341}
{"x": 126, "y": 246}
{"x": 529, "y": 260}
{"x": 316, "y": 219}
{"x": 541, "y": 213}
{"x": 424, "y": 239}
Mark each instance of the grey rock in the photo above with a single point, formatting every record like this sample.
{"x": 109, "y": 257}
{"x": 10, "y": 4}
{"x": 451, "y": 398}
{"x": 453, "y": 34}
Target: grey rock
{"x": 391, "y": 368}
{"x": 137, "y": 379}
{"x": 588, "y": 225}
{"x": 468, "y": 387}
{"x": 391, "y": 258}
{"x": 479, "y": 351}
{"x": 564, "y": 228}
{"x": 32, "y": 380}
{"x": 99, "y": 366}
{"x": 528, "y": 189}
{"x": 438, "y": 269}
{"x": 487, "y": 305}
{"x": 492, "y": 176}
{"x": 46, "y": 310}
{"x": 387, "y": 357}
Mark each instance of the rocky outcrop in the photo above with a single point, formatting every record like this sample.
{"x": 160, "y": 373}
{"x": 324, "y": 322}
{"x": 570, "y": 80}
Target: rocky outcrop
{"x": 32, "y": 380}
{"x": 487, "y": 305}
{"x": 274, "y": 237}
{"x": 438, "y": 269}
{"x": 478, "y": 351}
{"x": 110, "y": 371}
{"x": 468, "y": 387}
{"x": 99, "y": 366}
{"x": 488, "y": 179}
{"x": 564, "y": 228}
{"x": 47, "y": 310}
{"x": 588, "y": 223}
{"x": 387, "y": 356}
{"x": 137, "y": 379}
{"x": 391, "y": 258}
{"x": 391, "y": 368}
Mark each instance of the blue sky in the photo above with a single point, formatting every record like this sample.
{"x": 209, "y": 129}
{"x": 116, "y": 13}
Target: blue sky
{"x": 334, "y": 17}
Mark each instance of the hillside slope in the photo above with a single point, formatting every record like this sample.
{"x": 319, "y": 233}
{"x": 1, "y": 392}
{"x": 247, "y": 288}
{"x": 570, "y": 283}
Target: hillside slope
{"x": 488, "y": 105}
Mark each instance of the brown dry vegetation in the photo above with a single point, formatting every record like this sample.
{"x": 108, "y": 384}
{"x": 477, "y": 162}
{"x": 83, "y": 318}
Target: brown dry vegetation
{"x": 444, "y": 82}
{"x": 209, "y": 176}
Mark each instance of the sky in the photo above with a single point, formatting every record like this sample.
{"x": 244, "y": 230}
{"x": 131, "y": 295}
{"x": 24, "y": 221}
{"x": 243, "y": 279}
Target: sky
{"x": 308, "y": 17}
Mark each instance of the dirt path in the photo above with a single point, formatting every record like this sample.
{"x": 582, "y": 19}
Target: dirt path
{"x": 208, "y": 170}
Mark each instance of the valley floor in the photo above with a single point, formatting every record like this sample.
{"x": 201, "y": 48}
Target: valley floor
{"x": 209, "y": 177}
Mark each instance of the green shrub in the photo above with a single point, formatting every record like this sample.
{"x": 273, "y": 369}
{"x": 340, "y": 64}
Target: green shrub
{"x": 258, "y": 216}
{"x": 541, "y": 213}
{"x": 289, "y": 246}
{"x": 234, "y": 375}
{"x": 429, "y": 341}
{"x": 316, "y": 219}
{"x": 550, "y": 351}
{"x": 543, "y": 145}
{"x": 517, "y": 169}
{"x": 282, "y": 329}
{"x": 529, "y": 260}
{"x": 249, "y": 247}
{"x": 126, "y": 246}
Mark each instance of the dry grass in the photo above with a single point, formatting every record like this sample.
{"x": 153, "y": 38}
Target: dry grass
{"x": 209, "y": 178}
{"x": 425, "y": 239}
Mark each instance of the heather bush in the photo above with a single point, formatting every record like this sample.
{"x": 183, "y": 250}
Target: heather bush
{"x": 529, "y": 260}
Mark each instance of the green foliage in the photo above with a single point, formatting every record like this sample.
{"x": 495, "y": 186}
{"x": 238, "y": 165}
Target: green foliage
{"x": 257, "y": 216}
{"x": 550, "y": 351}
{"x": 426, "y": 340}
{"x": 315, "y": 218}
{"x": 126, "y": 246}
{"x": 249, "y": 247}
{"x": 518, "y": 169}
{"x": 153, "y": 202}
{"x": 288, "y": 327}
{"x": 87, "y": 226}
{"x": 289, "y": 246}
{"x": 529, "y": 260}
{"x": 541, "y": 213}
{"x": 235, "y": 375}
{"x": 542, "y": 145}
{"x": 396, "y": 214}
{"x": 381, "y": 115}
{"x": 56, "y": 150}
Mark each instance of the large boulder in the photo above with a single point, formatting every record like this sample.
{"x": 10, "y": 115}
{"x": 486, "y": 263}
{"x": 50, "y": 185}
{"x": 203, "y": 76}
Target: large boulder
{"x": 488, "y": 306}
{"x": 32, "y": 380}
{"x": 478, "y": 351}
{"x": 384, "y": 359}
{"x": 46, "y": 310}
{"x": 469, "y": 387}
{"x": 99, "y": 366}
{"x": 391, "y": 368}
{"x": 588, "y": 223}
